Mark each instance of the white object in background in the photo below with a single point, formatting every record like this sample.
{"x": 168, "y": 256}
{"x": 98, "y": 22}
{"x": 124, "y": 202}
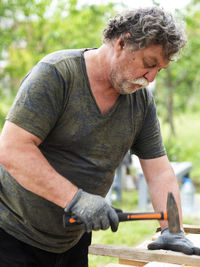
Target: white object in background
{"x": 187, "y": 196}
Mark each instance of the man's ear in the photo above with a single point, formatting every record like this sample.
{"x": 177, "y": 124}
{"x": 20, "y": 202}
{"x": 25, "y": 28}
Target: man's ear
{"x": 122, "y": 39}
{"x": 120, "y": 43}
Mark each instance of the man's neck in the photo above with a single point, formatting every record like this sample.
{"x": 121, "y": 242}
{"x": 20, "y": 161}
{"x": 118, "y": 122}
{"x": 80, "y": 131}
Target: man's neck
{"x": 98, "y": 69}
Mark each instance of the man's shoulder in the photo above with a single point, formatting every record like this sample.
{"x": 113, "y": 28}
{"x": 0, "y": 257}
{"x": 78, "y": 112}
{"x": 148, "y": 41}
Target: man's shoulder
{"x": 66, "y": 62}
{"x": 62, "y": 55}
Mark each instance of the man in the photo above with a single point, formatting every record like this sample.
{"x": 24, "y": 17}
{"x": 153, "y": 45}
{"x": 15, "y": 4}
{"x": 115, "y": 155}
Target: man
{"x": 75, "y": 116}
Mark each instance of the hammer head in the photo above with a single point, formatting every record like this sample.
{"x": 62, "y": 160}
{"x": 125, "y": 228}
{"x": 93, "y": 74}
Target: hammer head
{"x": 173, "y": 215}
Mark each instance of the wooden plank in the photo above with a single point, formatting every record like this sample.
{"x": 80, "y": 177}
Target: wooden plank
{"x": 118, "y": 265}
{"x": 195, "y": 239}
{"x": 161, "y": 264}
{"x": 132, "y": 262}
{"x": 192, "y": 229}
{"x": 144, "y": 244}
{"x": 140, "y": 254}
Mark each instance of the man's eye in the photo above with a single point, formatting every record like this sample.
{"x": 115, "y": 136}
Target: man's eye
{"x": 151, "y": 66}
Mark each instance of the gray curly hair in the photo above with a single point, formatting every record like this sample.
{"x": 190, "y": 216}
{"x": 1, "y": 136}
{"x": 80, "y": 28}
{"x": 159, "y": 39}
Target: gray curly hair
{"x": 147, "y": 26}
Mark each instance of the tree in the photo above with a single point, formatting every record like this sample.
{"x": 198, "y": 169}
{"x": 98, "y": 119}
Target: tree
{"x": 178, "y": 87}
{"x": 32, "y": 29}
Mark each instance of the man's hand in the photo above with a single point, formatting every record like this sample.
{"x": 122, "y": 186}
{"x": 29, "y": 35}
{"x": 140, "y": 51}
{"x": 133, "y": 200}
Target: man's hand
{"x": 92, "y": 211}
{"x": 175, "y": 242}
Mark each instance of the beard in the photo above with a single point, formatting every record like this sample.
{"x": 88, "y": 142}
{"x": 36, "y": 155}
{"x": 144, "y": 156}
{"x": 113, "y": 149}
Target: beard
{"x": 141, "y": 81}
{"x": 128, "y": 87}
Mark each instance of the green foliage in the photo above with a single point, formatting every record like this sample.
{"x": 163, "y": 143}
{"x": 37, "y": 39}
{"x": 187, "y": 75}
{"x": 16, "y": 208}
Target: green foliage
{"x": 31, "y": 29}
{"x": 6, "y": 101}
{"x": 174, "y": 148}
{"x": 177, "y": 89}
{"x": 185, "y": 146}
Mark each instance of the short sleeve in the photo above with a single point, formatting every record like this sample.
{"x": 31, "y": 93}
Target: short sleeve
{"x": 39, "y": 101}
{"x": 149, "y": 143}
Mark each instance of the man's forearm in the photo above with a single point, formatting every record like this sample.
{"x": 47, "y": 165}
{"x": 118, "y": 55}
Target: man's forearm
{"x": 159, "y": 192}
{"x": 161, "y": 179}
{"x": 29, "y": 167}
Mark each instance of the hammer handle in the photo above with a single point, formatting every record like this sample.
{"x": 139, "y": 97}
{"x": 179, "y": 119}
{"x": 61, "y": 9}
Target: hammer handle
{"x": 124, "y": 217}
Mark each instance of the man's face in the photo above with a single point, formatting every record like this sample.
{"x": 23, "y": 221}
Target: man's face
{"x": 131, "y": 71}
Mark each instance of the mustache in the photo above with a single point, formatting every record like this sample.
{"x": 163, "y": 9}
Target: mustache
{"x": 141, "y": 81}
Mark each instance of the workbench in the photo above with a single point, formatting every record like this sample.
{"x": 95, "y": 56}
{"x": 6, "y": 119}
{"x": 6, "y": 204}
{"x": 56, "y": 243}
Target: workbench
{"x": 141, "y": 256}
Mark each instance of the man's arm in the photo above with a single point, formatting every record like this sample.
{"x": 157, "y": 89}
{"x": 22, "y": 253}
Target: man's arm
{"x": 161, "y": 179}
{"x": 20, "y": 155}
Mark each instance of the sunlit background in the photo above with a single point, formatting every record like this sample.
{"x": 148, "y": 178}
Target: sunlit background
{"x": 31, "y": 29}
{"x": 167, "y": 4}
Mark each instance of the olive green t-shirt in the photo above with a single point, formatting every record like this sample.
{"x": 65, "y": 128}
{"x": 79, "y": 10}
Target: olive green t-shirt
{"x": 56, "y": 104}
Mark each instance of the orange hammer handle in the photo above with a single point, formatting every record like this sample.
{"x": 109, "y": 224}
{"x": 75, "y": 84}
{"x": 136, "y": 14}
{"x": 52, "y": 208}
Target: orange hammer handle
{"x": 124, "y": 217}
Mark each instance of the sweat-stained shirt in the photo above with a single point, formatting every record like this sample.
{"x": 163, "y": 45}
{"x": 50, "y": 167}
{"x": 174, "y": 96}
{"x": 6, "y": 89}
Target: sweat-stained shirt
{"x": 56, "y": 104}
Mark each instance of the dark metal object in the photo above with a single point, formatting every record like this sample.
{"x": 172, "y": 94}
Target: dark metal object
{"x": 173, "y": 215}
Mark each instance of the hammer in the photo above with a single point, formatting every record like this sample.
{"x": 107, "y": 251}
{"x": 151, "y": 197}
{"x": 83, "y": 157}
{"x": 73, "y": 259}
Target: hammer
{"x": 171, "y": 215}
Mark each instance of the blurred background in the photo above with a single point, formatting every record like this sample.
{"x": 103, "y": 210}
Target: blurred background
{"x": 30, "y": 29}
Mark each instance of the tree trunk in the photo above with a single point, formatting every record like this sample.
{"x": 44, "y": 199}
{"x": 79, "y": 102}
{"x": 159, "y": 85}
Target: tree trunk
{"x": 170, "y": 103}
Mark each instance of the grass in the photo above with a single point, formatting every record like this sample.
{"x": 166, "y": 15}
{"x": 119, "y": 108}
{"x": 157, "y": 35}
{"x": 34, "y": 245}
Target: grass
{"x": 185, "y": 146}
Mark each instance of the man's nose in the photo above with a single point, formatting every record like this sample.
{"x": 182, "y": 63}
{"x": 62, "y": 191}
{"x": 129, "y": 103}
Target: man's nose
{"x": 151, "y": 75}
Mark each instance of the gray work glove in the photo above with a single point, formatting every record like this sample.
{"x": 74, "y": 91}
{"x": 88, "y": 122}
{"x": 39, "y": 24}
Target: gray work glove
{"x": 175, "y": 242}
{"x": 117, "y": 210}
{"x": 93, "y": 212}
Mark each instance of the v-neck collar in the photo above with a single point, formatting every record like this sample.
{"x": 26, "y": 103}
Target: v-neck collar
{"x": 113, "y": 108}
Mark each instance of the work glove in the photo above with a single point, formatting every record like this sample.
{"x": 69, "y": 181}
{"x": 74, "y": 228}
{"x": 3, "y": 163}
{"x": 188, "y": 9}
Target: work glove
{"x": 175, "y": 242}
{"x": 92, "y": 211}
{"x": 117, "y": 210}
